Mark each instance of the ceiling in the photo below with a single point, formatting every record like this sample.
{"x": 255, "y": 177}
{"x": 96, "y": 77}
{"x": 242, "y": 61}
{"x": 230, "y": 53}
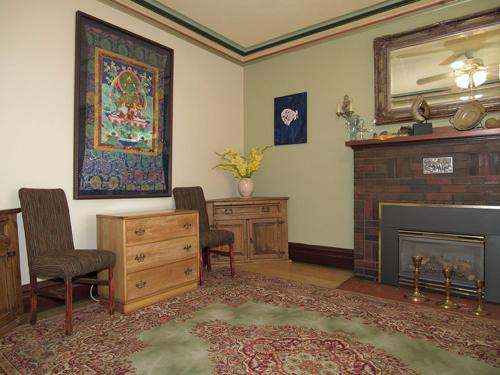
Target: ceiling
{"x": 245, "y": 30}
{"x": 248, "y": 24}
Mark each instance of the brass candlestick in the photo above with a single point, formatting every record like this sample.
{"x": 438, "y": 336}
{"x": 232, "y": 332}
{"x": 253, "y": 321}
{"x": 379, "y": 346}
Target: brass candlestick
{"x": 448, "y": 303}
{"x": 480, "y": 295}
{"x": 417, "y": 296}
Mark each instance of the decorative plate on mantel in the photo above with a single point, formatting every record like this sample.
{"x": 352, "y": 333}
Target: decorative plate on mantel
{"x": 468, "y": 116}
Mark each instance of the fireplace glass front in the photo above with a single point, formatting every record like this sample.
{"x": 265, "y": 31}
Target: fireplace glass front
{"x": 464, "y": 253}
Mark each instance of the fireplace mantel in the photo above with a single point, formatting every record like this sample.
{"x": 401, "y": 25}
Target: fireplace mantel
{"x": 392, "y": 171}
{"x": 438, "y": 134}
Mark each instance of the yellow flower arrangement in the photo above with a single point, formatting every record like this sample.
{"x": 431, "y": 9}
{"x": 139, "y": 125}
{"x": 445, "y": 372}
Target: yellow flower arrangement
{"x": 242, "y": 166}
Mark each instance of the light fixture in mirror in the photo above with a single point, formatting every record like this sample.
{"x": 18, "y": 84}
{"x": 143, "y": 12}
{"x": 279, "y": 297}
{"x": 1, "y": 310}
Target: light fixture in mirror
{"x": 443, "y": 62}
{"x": 472, "y": 72}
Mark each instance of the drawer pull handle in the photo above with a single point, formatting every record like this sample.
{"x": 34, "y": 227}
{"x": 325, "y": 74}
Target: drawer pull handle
{"x": 265, "y": 209}
{"x": 187, "y": 247}
{"x": 140, "y": 232}
{"x": 140, "y": 257}
{"x": 188, "y": 226}
{"x": 228, "y": 211}
{"x": 141, "y": 284}
{"x": 188, "y": 271}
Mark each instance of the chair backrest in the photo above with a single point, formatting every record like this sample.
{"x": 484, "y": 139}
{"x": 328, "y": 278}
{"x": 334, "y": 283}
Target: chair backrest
{"x": 192, "y": 198}
{"x": 47, "y": 224}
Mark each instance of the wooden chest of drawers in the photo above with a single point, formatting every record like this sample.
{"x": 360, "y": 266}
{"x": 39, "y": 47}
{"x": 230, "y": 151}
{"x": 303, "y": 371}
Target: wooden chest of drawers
{"x": 259, "y": 224}
{"x": 157, "y": 255}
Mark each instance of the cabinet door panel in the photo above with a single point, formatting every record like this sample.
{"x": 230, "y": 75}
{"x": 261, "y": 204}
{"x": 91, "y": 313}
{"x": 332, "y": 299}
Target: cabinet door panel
{"x": 238, "y": 227}
{"x": 10, "y": 279}
{"x": 265, "y": 238}
{"x": 5, "y": 303}
{"x": 14, "y": 267}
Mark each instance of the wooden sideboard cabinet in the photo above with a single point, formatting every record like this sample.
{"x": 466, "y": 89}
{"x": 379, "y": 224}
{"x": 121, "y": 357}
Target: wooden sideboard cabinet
{"x": 260, "y": 226}
{"x": 157, "y": 255}
{"x": 11, "y": 307}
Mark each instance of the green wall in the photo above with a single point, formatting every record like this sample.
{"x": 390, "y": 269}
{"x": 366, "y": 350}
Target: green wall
{"x": 318, "y": 176}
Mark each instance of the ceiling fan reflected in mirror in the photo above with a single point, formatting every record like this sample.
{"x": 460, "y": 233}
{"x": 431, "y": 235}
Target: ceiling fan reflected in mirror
{"x": 468, "y": 71}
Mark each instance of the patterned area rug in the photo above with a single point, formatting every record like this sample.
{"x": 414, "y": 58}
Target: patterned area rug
{"x": 291, "y": 350}
{"x": 259, "y": 325}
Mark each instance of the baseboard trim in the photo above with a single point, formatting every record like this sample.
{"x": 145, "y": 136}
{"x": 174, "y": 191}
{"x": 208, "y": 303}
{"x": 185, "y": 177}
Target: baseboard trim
{"x": 80, "y": 292}
{"x": 365, "y": 276}
{"x": 323, "y": 255}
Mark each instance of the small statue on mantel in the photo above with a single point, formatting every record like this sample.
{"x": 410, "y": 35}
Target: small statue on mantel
{"x": 420, "y": 109}
{"x": 420, "y": 112}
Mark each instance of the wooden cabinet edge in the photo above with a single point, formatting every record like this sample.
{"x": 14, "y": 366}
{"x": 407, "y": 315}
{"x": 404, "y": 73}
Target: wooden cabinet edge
{"x": 284, "y": 229}
{"x": 116, "y": 245}
{"x": 237, "y": 201}
{"x": 14, "y": 316}
{"x": 141, "y": 215}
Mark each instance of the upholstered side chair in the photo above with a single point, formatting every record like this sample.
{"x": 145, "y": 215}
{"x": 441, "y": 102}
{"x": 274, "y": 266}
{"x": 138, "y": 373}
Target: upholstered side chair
{"x": 192, "y": 198}
{"x": 51, "y": 252}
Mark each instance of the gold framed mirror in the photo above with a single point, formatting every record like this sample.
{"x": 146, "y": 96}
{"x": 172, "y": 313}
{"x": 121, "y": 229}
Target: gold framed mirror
{"x": 449, "y": 63}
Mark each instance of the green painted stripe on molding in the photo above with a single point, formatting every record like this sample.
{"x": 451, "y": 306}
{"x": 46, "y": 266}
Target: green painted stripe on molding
{"x": 334, "y": 22}
{"x": 190, "y": 25}
{"x": 193, "y": 23}
{"x": 215, "y": 37}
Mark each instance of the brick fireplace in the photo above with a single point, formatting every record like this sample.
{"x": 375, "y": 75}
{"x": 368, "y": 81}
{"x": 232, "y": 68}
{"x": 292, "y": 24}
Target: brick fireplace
{"x": 392, "y": 171}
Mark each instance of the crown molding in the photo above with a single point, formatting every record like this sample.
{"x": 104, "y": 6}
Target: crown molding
{"x": 172, "y": 21}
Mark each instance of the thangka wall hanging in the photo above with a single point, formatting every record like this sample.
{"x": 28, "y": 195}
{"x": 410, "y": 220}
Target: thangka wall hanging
{"x": 123, "y": 113}
{"x": 290, "y": 119}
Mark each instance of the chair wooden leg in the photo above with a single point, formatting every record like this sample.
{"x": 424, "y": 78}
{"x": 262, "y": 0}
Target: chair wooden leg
{"x": 69, "y": 307}
{"x": 231, "y": 259}
{"x": 33, "y": 298}
{"x": 209, "y": 263}
{"x": 201, "y": 268}
{"x": 111, "y": 293}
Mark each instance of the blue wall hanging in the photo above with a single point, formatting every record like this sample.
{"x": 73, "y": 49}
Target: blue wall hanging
{"x": 290, "y": 119}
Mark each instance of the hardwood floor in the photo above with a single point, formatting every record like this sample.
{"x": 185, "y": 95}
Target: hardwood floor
{"x": 59, "y": 309}
{"x": 467, "y": 306}
{"x": 304, "y": 272}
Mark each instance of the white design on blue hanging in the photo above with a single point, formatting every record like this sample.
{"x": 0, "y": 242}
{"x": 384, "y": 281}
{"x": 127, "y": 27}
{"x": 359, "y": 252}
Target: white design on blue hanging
{"x": 288, "y": 116}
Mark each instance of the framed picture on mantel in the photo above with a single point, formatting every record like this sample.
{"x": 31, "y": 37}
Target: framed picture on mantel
{"x": 123, "y": 113}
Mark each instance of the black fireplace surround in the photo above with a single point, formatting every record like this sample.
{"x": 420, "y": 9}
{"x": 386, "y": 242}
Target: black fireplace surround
{"x": 456, "y": 219}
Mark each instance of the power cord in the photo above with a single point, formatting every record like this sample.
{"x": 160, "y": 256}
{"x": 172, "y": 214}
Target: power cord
{"x": 91, "y": 296}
